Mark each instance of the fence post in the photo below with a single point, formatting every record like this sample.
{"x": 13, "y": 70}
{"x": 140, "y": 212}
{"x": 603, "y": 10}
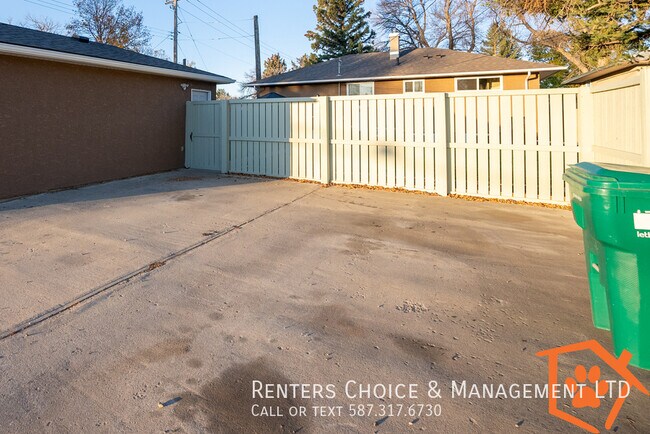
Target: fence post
{"x": 224, "y": 146}
{"x": 325, "y": 128}
{"x": 441, "y": 115}
{"x": 645, "y": 104}
{"x": 586, "y": 123}
{"x": 189, "y": 125}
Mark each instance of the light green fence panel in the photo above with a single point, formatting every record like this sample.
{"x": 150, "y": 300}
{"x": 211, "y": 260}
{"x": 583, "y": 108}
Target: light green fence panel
{"x": 493, "y": 144}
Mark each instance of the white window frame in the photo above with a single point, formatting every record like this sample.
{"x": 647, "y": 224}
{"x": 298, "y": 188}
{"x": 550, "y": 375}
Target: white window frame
{"x": 500, "y": 77}
{"x": 371, "y": 83}
{"x": 414, "y": 81}
{"x": 200, "y": 91}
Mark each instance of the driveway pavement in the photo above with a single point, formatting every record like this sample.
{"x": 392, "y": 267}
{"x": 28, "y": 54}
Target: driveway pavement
{"x": 206, "y": 287}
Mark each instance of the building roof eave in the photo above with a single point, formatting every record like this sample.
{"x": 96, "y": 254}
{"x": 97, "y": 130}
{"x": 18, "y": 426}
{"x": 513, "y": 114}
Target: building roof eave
{"x": 78, "y": 59}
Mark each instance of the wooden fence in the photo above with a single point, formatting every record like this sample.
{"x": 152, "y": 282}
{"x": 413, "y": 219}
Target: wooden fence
{"x": 620, "y": 118}
{"x": 507, "y": 145}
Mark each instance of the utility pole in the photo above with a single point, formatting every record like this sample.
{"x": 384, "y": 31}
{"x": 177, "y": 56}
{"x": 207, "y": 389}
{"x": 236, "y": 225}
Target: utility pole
{"x": 258, "y": 60}
{"x": 174, "y": 4}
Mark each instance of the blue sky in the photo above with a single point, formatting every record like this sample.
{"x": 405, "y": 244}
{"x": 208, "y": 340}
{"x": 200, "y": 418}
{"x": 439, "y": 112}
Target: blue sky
{"x": 214, "y": 33}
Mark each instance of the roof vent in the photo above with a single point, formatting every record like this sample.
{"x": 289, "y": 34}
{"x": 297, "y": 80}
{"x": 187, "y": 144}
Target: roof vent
{"x": 83, "y": 39}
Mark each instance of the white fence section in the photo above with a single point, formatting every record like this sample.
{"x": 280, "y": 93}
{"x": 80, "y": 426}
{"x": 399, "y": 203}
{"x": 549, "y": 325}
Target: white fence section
{"x": 508, "y": 144}
{"x": 390, "y": 141}
{"x": 620, "y": 118}
{"x": 280, "y": 138}
{"x": 513, "y": 145}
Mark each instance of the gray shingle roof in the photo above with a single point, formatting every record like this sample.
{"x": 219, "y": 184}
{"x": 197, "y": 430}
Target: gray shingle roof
{"x": 24, "y": 37}
{"x": 417, "y": 62}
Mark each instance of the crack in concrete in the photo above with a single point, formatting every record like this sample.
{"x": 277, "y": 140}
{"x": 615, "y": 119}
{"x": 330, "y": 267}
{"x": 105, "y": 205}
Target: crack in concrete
{"x": 159, "y": 263}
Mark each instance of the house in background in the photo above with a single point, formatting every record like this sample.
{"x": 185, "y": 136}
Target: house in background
{"x": 75, "y": 112}
{"x": 402, "y": 72}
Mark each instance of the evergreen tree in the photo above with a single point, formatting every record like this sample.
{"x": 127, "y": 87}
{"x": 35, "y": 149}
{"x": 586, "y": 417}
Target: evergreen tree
{"x": 541, "y": 53}
{"x": 342, "y": 28}
{"x": 499, "y": 41}
{"x": 274, "y": 65}
{"x": 587, "y": 33}
{"x": 221, "y": 94}
{"x": 304, "y": 61}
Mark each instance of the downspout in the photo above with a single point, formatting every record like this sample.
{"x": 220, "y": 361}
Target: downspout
{"x": 527, "y": 78}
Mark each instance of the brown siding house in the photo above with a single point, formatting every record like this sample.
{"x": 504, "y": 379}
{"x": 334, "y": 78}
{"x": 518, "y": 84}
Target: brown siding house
{"x": 74, "y": 112}
{"x": 407, "y": 71}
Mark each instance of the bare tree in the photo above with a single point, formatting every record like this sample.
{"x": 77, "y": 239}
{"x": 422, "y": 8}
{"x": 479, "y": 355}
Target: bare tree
{"x": 44, "y": 24}
{"x": 245, "y": 91}
{"x": 110, "y": 22}
{"x": 473, "y": 14}
{"x": 409, "y": 18}
{"x": 451, "y": 24}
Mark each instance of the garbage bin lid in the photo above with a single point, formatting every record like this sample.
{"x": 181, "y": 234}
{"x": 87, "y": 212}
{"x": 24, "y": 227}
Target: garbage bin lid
{"x": 610, "y": 176}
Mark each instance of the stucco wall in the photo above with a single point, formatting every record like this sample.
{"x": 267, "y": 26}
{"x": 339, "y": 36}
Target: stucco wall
{"x": 389, "y": 87}
{"x": 64, "y": 125}
{"x": 307, "y": 90}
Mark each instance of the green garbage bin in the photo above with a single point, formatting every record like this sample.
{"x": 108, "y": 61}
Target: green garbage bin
{"x": 611, "y": 203}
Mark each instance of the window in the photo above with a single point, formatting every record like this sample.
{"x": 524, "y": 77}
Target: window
{"x": 201, "y": 95}
{"x": 478, "y": 83}
{"x": 413, "y": 86}
{"x": 361, "y": 88}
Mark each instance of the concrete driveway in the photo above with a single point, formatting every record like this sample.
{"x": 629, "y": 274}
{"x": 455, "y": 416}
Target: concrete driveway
{"x": 161, "y": 303}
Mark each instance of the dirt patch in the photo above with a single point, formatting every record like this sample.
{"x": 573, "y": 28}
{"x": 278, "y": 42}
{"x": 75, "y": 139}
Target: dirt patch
{"x": 165, "y": 350}
{"x": 334, "y": 321}
{"x": 194, "y": 363}
{"x": 185, "y": 197}
{"x": 357, "y": 245}
{"x": 75, "y": 259}
{"x": 418, "y": 348}
{"x": 216, "y": 316}
{"x": 225, "y": 403}
{"x": 185, "y": 179}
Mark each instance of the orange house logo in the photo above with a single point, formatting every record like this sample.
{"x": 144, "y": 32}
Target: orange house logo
{"x": 585, "y": 395}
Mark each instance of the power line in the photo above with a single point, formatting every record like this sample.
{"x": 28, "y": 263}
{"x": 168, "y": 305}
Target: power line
{"x": 211, "y": 26}
{"x": 246, "y": 62}
{"x": 54, "y": 8}
{"x": 230, "y": 24}
{"x": 205, "y": 65}
{"x": 182, "y": 52}
{"x": 159, "y": 29}
{"x": 215, "y": 28}
{"x": 161, "y": 42}
{"x": 274, "y": 50}
{"x": 59, "y": 4}
{"x": 243, "y": 35}
{"x": 270, "y": 47}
